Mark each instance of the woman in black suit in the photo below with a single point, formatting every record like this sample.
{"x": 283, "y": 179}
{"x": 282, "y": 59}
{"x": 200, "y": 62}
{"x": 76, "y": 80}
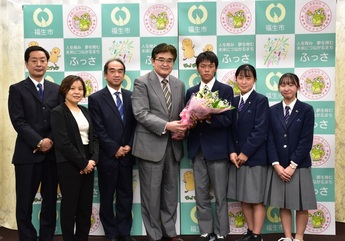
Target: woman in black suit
{"x": 76, "y": 148}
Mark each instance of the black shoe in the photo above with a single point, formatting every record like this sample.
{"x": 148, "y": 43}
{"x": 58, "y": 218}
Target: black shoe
{"x": 221, "y": 237}
{"x": 203, "y": 237}
{"x": 246, "y": 237}
{"x": 256, "y": 237}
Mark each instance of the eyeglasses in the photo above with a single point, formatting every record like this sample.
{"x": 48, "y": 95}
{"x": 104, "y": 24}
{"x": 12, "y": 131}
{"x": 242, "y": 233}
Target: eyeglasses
{"x": 166, "y": 61}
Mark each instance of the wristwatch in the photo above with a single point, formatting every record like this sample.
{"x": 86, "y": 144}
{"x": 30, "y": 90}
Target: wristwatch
{"x": 40, "y": 143}
{"x": 293, "y": 166}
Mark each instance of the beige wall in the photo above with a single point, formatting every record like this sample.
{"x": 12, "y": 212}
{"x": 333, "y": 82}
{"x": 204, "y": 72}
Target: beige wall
{"x": 12, "y": 70}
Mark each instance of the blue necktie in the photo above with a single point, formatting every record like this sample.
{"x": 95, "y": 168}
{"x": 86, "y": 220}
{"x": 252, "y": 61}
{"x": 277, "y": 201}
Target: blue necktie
{"x": 40, "y": 91}
{"x": 119, "y": 104}
{"x": 287, "y": 114}
{"x": 241, "y": 105}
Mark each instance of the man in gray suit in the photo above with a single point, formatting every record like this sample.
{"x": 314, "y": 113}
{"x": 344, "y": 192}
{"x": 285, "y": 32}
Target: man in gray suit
{"x": 157, "y": 100}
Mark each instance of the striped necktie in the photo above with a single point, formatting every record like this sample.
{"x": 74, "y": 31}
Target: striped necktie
{"x": 119, "y": 104}
{"x": 287, "y": 114}
{"x": 167, "y": 94}
{"x": 241, "y": 105}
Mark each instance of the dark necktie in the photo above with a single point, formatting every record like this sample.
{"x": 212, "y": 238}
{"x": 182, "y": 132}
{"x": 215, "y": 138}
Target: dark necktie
{"x": 40, "y": 91}
{"x": 241, "y": 105}
{"x": 119, "y": 104}
{"x": 167, "y": 94}
{"x": 287, "y": 114}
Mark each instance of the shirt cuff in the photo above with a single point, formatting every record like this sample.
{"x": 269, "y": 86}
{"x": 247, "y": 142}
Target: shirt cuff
{"x": 275, "y": 163}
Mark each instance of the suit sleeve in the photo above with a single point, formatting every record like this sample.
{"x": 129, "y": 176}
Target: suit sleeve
{"x": 109, "y": 145}
{"x": 305, "y": 142}
{"x": 18, "y": 119}
{"x": 146, "y": 113}
{"x": 63, "y": 143}
{"x": 260, "y": 129}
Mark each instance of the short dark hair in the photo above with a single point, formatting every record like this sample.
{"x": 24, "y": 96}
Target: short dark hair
{"x": 34, "y": 48}
{"x": 68, "y": 81}
{"x": 207, "y": 55}
{"x": 164, "y": 48}
{"x": 105, "y": 68}
{"x": 246, "y": 69}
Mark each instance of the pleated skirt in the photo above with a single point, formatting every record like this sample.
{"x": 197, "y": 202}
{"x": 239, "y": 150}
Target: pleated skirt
{"x": 247, "y": 184}
{"x": 297, "y": 194}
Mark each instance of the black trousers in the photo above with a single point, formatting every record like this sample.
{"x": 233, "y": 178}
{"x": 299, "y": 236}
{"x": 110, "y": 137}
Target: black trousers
{"x": 28, "y": 179}
{"x": 76, "y": 202}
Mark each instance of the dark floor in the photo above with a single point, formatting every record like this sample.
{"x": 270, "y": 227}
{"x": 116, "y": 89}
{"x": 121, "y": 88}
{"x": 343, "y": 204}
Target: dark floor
{"x": 11, "y": 235}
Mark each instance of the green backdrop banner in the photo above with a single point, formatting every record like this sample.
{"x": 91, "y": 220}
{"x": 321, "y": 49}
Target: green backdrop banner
{"x": 274, "y": 36}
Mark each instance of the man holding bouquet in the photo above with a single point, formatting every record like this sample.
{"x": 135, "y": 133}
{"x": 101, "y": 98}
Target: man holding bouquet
{"x": 208, "y": 147}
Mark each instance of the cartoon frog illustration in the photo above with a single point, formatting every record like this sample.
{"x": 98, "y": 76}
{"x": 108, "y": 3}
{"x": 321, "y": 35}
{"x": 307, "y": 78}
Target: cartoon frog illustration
{"x": 235, "y": 87}
{"x": 162, "y": 21}
{"x": 239, "y": 219}
{"x": 317, "y": 84}
{"x": 239, "y": 19}
{"x": 84, "y": 21}
{"x": 188, "y": 179}
{"x": 188, "y": 49}
{"x": 319, "y": 17}
{"x": 317, "y": 152}
{"x": 317, "y": 219}
{"x": 89, "y": 87}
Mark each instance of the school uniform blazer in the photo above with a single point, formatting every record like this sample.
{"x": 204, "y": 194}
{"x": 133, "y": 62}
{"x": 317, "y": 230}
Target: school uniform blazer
{"x": 292, "y": 141}
{"x": 30, "y": 118}
{"x": 152, "y": 115}
{"x": 213, "y": 139}
{"x": 250, "y": 130}
{"x": 111, "y": 131}
{"x": 68, "y": 143}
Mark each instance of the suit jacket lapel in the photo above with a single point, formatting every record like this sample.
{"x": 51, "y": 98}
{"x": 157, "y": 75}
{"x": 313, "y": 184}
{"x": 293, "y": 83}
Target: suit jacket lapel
{"x": 157, "y": 88}
{"x": 32, "y": 88}
{"x": 108, "y": 98}
{"x": 294, "y": 112}
{"x": 280, "y": 115}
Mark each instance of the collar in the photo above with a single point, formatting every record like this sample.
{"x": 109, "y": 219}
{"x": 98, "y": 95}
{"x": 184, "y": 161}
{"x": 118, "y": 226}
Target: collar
{"x": 35, "y": 82}
{"x": 209, "y": 84}
{"x": 291, "y": 105}
{"x": 112, "y": 90}
{"x": 246, "y": 95}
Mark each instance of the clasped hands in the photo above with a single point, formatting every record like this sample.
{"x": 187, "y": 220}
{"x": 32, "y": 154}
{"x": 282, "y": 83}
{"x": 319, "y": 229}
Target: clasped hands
{"x": 122, "y": 151}
{"x": 89, "y": 168}
{"x": 46, "y": 145}
{"x": 284, "y": 174}
{"x": 238, "y": 160}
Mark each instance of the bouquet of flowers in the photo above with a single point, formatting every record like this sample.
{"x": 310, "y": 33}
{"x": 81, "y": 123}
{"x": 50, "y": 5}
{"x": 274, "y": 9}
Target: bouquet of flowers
{"x": 203, "y": 103}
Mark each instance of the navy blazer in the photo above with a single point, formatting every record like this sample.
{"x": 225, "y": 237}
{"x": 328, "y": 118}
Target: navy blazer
{"x": 292, "y": 141}
{"x": 30, "y": 118}
{"x": 68, "y": 143}
{"x": 111, "y": 131}
{"x": 250, "y": 129}
{"x": 212, "y": 139}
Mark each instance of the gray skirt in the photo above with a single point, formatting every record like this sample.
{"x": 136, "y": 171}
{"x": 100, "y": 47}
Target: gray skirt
{"x": 298, "y": 194}
{"x": 247, "y": 184}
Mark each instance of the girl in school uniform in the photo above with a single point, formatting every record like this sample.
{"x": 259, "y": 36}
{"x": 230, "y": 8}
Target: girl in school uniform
{"x": 249, "y": 163}
{"x": 289, "y": 183}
